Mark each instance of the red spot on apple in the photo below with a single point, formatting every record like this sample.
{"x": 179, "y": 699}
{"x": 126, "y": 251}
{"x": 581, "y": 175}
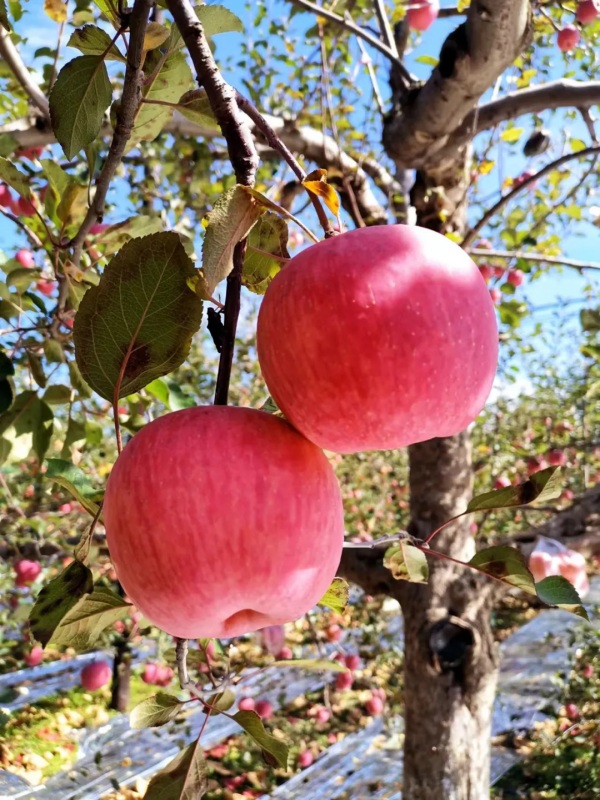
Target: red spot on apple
{"x": 422, "y": 13}
{"x": 257, "y": 546}
{"x": 95, "y": 675}
{"x": 408, "y": 313}
{"x": 568, "y": 38}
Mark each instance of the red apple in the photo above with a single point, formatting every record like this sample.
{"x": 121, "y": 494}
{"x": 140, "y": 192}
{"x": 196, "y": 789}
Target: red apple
{"x": 65, "y": 508}
{"x": 483, "y": 244}
{"x": 99, "y": 227}
{"x": 572, "y": 712}
{"x": 333, "y": 634}
{"x": 496, "y": 295}
{"x": 257, "y": 545}
{"x": 26, "y": 572}
{"x": 323, "y": 715}
{"x": 542, "y": 565}
{"x": 305, "y": 759}
{"x": 587, "y": 11}
{"x": 516, "y": 277}
{"x": 6, "y": 199}
{"x": 567, "y": 495}
{"x": 272, "y": 638}
{"x": 353, "y": 661}
{"x": 285, "y": 654}
{"x": 264, "y": 709}
{"x": 344, "y": 681}
{"x": 486, "y": 272}
{"x": 556, "y": 457}
{"x": 46, "y": 287}
{"x": 588, "y": 671}
{"x": 164, "y": 676}
{"x": 409, "y": 318}
{"x": 34, "y": 657}
{"x": 25, "y": 258}
{"x": 374, "y": 706}
{"x": 95, "y": 675}
{"x": 23, "y": 208}
{"x": 422, "y": 13}
{"x": 499, "y": 272}
{"x": 246, "y": 704}
{"x": 502, "y": 482}
{"x": 150, "y": 673}
{"x": 29, "y": 152}
{"x": 535, "y": 464}
{"x": 568, "y": 38}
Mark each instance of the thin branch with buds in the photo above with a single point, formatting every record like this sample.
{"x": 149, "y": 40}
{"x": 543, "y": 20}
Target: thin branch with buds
{"x": 15, "y": 63}
{"x": 558, "y": 260}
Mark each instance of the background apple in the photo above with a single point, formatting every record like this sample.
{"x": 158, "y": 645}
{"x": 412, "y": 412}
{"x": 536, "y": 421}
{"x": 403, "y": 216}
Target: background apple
{"x": 25, "y": 258}
{"x": 305, "y": 759}
{"x": 556, "y": 457}
{"x": 6, "y": 199}
{"x": 422, "y": 13}
{"x": 264, "y": 709}
{"x": 23, "y": 208}
{"x": 568, "y": 38}
{"x": 516, "y": 277}
{"x": 95, "y": 675}
{"x": 34, "y": 657}
{"x": 26, "y": 572}
{"x": 246, "y": 704}
{"x": 502, "y": 482}
{"x": 344, "y": 681}
{"x": 369, "y": 340}
{"x": 374, "y": 706}
{"x": 223, "y": 520}
{"x": 587, "y": 11}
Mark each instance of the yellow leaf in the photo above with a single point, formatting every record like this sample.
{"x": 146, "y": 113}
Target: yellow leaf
{"x": 156, "y": 34}
{"x": 512, "y": 134}
{"x": 316, "y": 182}
{"x": 56, "y": 10}
{"x": 485, "y": 167}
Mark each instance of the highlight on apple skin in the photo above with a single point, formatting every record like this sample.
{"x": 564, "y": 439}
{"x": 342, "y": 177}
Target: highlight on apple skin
{"x": 378, "y": 338}
{"x": 223, "y": 520}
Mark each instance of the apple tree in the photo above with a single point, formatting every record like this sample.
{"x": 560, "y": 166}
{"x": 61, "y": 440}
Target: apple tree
{"x": 155, "y": 181}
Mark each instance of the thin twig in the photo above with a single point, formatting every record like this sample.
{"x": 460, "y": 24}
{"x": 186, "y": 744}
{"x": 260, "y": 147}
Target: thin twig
{"x": 565, "y": 262}
{"x": 385, "y": 27}
{"x": 472, "y": 233}
{"x": 11, "y": 55}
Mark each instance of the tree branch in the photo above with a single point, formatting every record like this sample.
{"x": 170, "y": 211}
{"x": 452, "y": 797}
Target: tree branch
{"x": 472, "y": 233}
{"x": 470, "y": 60}
{"x": 11, "y": 55}
{"x": 385, "y": 27}
{"x": 559, "y": 260}
{"x": 243, "y": 157}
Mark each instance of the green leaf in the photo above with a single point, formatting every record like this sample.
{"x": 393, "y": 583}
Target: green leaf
{"x": 77, "y": 380}
{"x": 194, "y": 106}
{"x": 171, "y": 80}
{"x": 155, "y": 711}
{"x": 57, "y": 598}
{"x": 429, "y": 60}
{"x": 336, "y": 597}
{"x": 16, "y": 179}
{"x": 93, "y": 41}
{"x": 78, "y": 100}
{"x": 558, "y": 591}
{"x": 507, "y": 564}
{"x": 232, "y": 218}
{"x": 276, "y": 752}
{"x": 6, "y": 366}
{"x": 590, "y": 319}
{"x": 83, "y": 624}
{"x": 159, "y": 389}
{"x": 266, "y": 252}
{"x": 138, "y": 323}
{"x": 37, "y": 371}
{"x": 7, "y": 395}
{"x": 30, "y": 415}
{"x": 217, "y": 19}
{"x": 4, "y": 16}
{"x": 541, "y": 486}
{"x": 21, "y": 278}
{"x": 184, "y": 778}
{"x": 73, "y": 204}
{"x": 312, "y": 665}
{"x": 75, "y": 482}
{"x": 57, "y": 394}
{"x": 406, "y": 563}
{"x": 116, "y": 236}
{"x": 53, "y": 351}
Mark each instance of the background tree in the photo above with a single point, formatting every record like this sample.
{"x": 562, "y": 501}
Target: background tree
{"x": 316, "y": 84}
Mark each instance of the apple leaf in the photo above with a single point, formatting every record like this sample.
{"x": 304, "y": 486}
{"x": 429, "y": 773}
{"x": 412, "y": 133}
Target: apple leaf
{"x": 4, "y": 16}
{"x": 93, "y": 41}
{"x": 406, "y": 563}
{"x": 312, "y": 665}
{"x": 16, "y": 179}
{"x": 114, "y": 237}
{"x": 57, "y": 598}
{"x": 37, "y": 370}
{"x": 274, "y": 750}
{"x": 30, "y": 415}
{"x": 506, "y": 564}
{"x": 557, "y": 591}
{"x": 194, "y": 106}
{"x": 184, "y": 778}
{"x": 266, "y": 252}
{"x": 234, "y": 215}
{"x": 21, "y": 278}
{"x": 75, "y": 482}
{"x": 155, "y": 35}
{"x": 155, "y": 711}
{"x": 78, "y": 100}
{"x": 222, "y": 701}
{"x": 138, "y": 323}
{"x": 336, "y": 597}
{"x": 83, "y": 624}
{"x": 316, "y": 183}
{"x": 542, "y": 485}
{"x": 6, "y": 390}
{"x": 217, "y": 19}
{"x": 58, "y": 394}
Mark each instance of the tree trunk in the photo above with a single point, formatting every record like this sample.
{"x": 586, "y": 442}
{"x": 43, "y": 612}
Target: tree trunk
{"x": 120, "y": 685}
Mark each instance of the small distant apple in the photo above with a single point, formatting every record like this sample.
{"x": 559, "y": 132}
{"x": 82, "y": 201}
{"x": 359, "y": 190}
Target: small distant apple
{"x": 305, "y": 759}
{"x": 32, "y": 153}
{"x": 587, "y": 11}
{"x": 26, "y": 572}
{"x": 25, "y": 258}
{"x": 353, "y": 661}
{"x": 23, "y": 207}
{"x": 422, "y": 13}
{"x": 502, "y": 482}
{"x": 6, "y": 199}
{"x": 535, "y": 464}
{"x": 34, "y": 657}
{"x": 568, "y": 38}
{"x": 322, "y": 715}
{"x": 333, "y": 633}
{"x": 483, "y": 244}
{"x": 246, "y": 704}
{"x": 264, "y": 709}
{"x": 486, "y": 272}
{"x": 516, "y": 277}
{"x": 344, "y": 681}
{"x": 556, "y": 457}
{"x": 98, "y": 228}
{"x": 374, "y": 706}
{"x": 45, "y": 287}
{"x": 95, "y": 675}
{"x": 272, "y": 638}
{"x": 567, "y": 494}
{"x": 496, "y": 295}
{"x": 588, "y": 671}
{"x": 285, "y": 654}
{"x": 572, "y": 712}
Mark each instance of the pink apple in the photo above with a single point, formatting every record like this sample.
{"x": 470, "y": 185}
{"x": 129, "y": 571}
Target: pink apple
{"x": 353, "y": 661}
{"x": 333, "y": 633}
{"x": 542, "y": 565}
{"x": 587, "y": 11}
{"x": 305, "y": 759}
{"x": 23, "y": 208}
{"x": 499, "y": 272}
{"x": 98, "y": 228}
{"x": 344, "y": 681}
{"x": 502, "y": 482}
{"x": 572, "y": 712}
{"x": 264, "y": 709}
{"x": 567, "y": 495}
{"x": 29, "y": 152}
{"x": 272, "y": 638}
{"x": 486, "y": 272}
{"x": 568, "y": 38}
{"x": 422, "y": 13}
{"x": 26, "y": 572}
{"x": 525, "y": 176}
{"x": 535, "y": 464}
{"x": 95, "y": 675}
{"x": 410, "y": 290}
{"x": 285, "y": 654}
{"x": 483, "y": 244}
{"x": 34, "y": 657}
{"x": 556, "y": 457}
{"x": 150, "y": 673}
{"x": 25, "y": 258}
{"x": 495, "y": 295}
{"x": 516, "y": 277}
{"x": 374, "y": 706}
{"x": 588, "y": 671}
{"x": 322, "y": 715}
{"x": 246, "y": 704}
{"x": 295, "y": 239}
{"x": 164, "y": 676}
{"x": 66, "y": 508}
{"x": 210, "y": 563}
{"x": 6, "y": 199}
{"x": 46, "y": 287}
{"x": 572, "y": 566}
